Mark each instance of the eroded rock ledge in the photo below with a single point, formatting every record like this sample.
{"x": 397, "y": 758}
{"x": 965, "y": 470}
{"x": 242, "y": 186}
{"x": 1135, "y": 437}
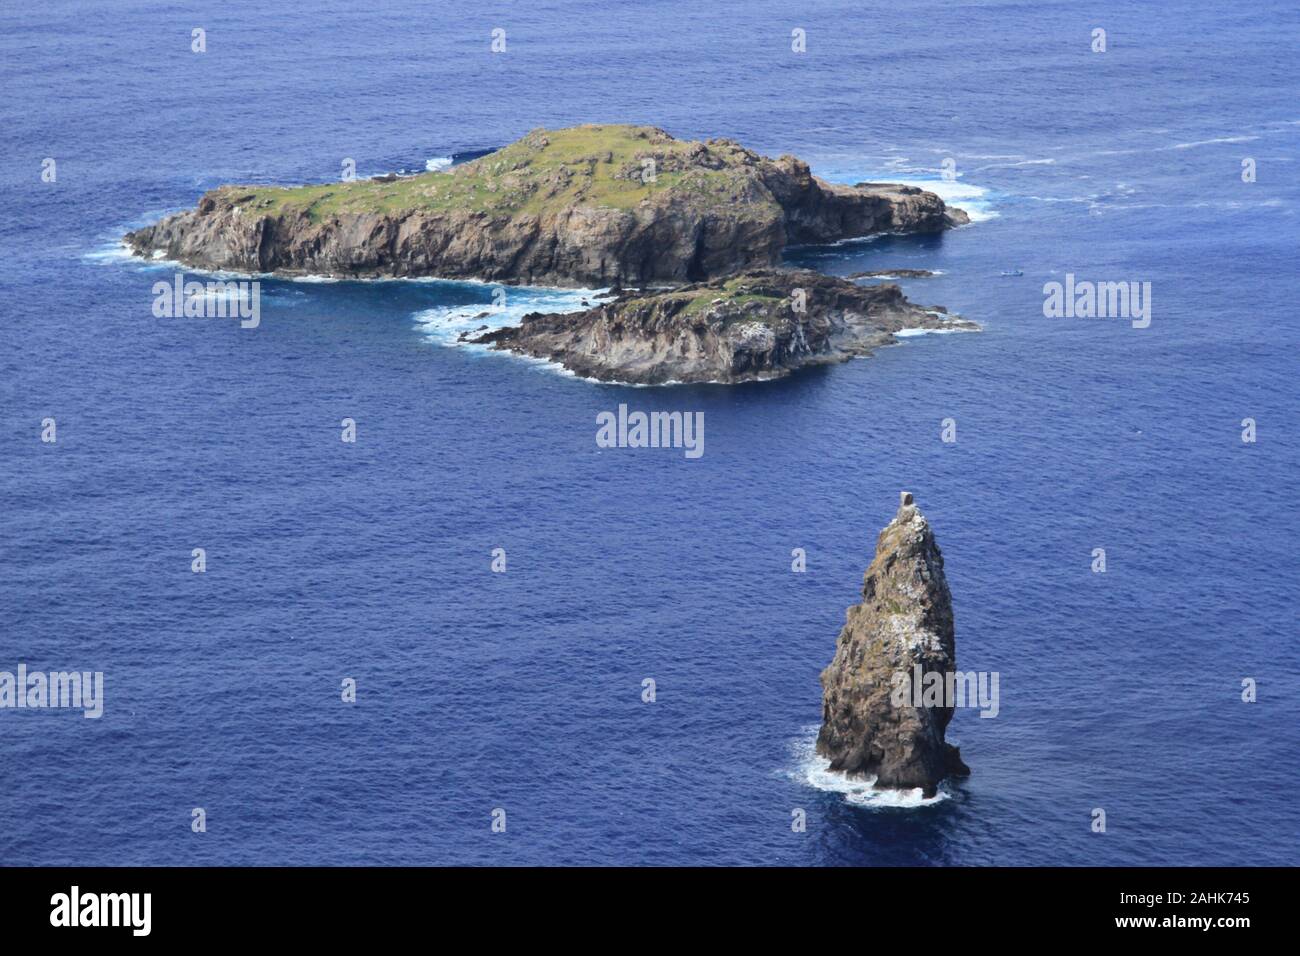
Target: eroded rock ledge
{"x": 761, "y": 324}
{"x": 904, "y": 622}
{"x": 589, "y": 205}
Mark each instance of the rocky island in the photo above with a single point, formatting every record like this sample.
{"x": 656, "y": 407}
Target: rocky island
{"x": 904, "y": 626}
{"x": 584, "y": 206}
{"x": 760, "y": 324}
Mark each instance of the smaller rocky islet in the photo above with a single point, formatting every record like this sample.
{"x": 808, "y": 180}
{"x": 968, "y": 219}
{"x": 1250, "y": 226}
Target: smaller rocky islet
{"x": 756, "y": 325}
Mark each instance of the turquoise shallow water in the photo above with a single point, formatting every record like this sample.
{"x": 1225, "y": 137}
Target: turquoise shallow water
{"x": 523, "y": 690}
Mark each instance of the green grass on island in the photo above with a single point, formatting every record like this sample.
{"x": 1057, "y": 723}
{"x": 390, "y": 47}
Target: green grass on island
{"x": 732, "y": 295}
{"x": 547, "y": 169}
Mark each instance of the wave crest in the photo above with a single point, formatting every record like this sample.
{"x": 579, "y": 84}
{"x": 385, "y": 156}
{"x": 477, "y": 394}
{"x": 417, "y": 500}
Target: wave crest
{"x": 813, "y": 770}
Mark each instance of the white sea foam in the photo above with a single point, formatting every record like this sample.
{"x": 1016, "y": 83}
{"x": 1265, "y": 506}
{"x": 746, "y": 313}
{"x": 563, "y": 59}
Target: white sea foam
{"x": 971, "y": 199}
{"x": 1213, "y": 142}
{"x": 814, "y": 771}
{"x": 1085, "y": 200}
{"x": 444, "y": 323}
{"x": 437, "y": 164}
{"x": 913, "y": 333}
{"x": 113, "y": 252}
{"x": 227, "y": 292}
{"x": 975, "y": 201}
{"x": 900, "y": 278}
{"x": 1015, "y": 165}
{"x": 117, "y": 252}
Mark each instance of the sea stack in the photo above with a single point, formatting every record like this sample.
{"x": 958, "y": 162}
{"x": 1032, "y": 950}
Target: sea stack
{"x": 873, "y": 723}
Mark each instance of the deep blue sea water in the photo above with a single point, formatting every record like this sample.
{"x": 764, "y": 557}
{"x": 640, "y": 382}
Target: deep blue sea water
{"x": 522, "y": 690}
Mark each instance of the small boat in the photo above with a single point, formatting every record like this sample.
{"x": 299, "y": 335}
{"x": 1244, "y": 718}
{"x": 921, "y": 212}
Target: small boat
{"x": 1011, "y": 273}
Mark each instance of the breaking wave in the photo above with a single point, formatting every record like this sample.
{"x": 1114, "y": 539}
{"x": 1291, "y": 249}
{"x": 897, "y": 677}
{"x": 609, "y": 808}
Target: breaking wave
{"x": 974, "y": 200}
{"x": 814, "y": 771}
{"x": 913, "y": 333}
{"x": 444, "y": 324}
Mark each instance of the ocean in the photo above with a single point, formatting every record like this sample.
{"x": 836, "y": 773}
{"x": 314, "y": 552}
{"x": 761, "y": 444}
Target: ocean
{"x": 479, "y": 691}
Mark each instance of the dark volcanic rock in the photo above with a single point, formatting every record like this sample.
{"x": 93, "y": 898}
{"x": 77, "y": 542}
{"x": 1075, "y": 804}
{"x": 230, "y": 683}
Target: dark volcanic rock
{"x": 589, "y": 205}
{"x": 743, "y": 328}
{"x": 904, "y": 622}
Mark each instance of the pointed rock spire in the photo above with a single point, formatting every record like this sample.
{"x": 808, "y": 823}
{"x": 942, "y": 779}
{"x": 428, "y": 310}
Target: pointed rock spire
{"x": 874, "y": 722}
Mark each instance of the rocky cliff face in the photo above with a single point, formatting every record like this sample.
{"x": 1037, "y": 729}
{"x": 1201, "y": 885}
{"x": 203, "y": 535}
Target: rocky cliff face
{"x": 590, "y": 205}
{"x": 757, "y": 325}
{"x": 903, "y": 626}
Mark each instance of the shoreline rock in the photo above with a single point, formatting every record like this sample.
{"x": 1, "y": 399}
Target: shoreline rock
{"x": 588, "y": 205}
{"x": 892, "y": 274}
{"x": 903, "y": 626}
{"x": 757, "y": 325}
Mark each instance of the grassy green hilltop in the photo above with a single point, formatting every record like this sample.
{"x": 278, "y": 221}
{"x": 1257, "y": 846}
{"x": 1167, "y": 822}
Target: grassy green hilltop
{"x": 582, "y": 165}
